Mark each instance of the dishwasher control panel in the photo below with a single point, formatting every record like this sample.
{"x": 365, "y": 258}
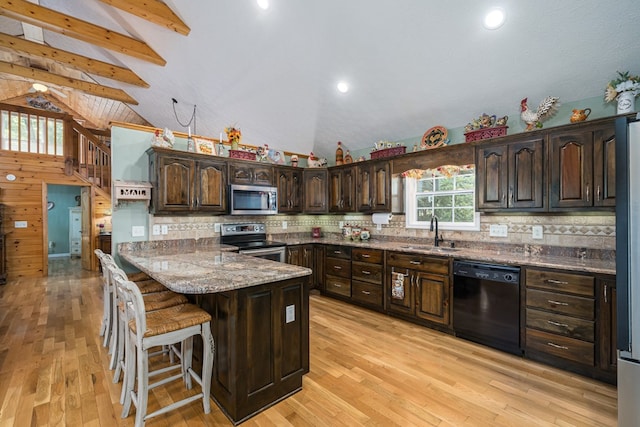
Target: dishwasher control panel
{"x": 493, "y": 272}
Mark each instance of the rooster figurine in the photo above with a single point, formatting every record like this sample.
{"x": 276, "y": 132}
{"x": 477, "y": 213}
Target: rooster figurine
{"x": 547, "y": 108}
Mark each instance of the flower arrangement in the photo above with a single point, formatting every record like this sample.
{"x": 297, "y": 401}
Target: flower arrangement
{"x": 623, "y": 83}
{"x": 234, "y": 135}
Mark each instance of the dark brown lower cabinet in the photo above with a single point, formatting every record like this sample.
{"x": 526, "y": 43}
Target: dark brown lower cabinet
{"x": 261, "y": 337}
{"x": 607, "y": 325}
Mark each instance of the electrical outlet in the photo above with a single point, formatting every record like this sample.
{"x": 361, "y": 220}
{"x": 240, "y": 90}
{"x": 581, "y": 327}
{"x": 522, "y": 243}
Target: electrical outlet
{"x": 284, "y": 225}
{"x": 290, "y": 314}
{"x": 156, "y": 230}
{"x": 164, "y": 229}
{"x": 498, "y": 230}
{"x": 216, "y": 227}
{"x": 537, "y": 232}
{"x": 137, "y": 231}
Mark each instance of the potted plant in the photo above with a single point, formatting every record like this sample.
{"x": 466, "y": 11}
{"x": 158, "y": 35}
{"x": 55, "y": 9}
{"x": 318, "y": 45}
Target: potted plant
{"x": 623, "y": 89}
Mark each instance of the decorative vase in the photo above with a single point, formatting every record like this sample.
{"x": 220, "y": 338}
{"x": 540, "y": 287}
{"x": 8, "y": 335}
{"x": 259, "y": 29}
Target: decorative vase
{"x": 626, "y": 102}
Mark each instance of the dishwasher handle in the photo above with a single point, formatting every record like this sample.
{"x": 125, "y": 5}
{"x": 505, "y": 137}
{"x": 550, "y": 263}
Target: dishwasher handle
{"x": 481, "y": 271}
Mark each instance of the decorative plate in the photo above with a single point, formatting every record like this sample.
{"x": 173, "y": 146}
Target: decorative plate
{"x": 434, "y": 137}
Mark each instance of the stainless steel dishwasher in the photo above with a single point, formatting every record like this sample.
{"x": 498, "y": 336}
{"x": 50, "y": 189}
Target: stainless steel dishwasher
{"x": 486, "y": 304}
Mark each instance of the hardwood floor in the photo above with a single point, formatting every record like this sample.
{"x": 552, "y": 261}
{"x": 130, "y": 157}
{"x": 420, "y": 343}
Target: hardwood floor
{"x": 366, "y": 369}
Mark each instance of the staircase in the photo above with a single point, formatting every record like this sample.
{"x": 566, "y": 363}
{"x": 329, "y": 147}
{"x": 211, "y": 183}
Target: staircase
{"x": 86, "y": 155}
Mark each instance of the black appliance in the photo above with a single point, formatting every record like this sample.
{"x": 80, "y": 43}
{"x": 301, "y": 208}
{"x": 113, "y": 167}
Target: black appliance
{"x": 251, "y": 239}
{"x": 486, "y": 304}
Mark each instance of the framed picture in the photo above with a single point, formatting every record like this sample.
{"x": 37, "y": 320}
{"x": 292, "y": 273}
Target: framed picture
{"x": 276, "y": 156}
{"x": 205, "y": 146}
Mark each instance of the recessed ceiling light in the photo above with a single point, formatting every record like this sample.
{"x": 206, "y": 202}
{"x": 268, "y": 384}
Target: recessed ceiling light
{"x": 264, "y": 4}
{"x": 343, "y": 87}
{"x": 494, "y": 19}
{"x": 39, "y": 87}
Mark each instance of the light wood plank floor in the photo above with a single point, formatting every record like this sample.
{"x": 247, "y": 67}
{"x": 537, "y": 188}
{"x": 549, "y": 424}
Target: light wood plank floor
{"x": 366, "y": 369}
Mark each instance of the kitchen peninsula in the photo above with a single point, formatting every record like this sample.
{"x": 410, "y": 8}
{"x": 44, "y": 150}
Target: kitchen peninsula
{"x": 260, "y": 312}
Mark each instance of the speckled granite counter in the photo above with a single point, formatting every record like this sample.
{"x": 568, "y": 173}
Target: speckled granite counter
{"x": 509, "y": 257}
{"x": 207, "y": 269}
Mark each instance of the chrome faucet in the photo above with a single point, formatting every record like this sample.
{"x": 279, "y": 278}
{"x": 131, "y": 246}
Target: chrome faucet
{"x": 437, "y": 240}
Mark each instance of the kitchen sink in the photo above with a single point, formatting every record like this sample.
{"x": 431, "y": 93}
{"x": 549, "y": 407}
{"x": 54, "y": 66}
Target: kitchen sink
{"x": 430, "y": 248}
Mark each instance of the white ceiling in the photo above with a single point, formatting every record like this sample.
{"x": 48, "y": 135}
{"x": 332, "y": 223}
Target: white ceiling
{"x": 411, "y": 64}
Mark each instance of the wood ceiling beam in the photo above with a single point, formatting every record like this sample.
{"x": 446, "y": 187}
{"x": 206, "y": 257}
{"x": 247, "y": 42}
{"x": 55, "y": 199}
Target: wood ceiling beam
{"x": 79, "y": 62}
{"x": 50, "y": 19}
{"x": 154, "y": 11}
{"x": 56, "y": 79}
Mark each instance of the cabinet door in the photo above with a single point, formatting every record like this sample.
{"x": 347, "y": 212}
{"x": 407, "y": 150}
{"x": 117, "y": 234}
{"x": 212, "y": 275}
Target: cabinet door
{"x": 315, "y": 191}
{"x": 211, "y": 187}
{"x": 604, "y": 167}
{"x": 262, "y": 174}
{"x": 289, "y": 183}
{"x": 607, "y": 325}
{"x": 526, "y": 175}
{"x": 373, "y": 187}
{"x": 432, "y": 298}
{"x": 175, "y": 184}
{"x": 492, "y": 177}
{"x": 335, "y": 191}
{"x": 295, "y": 255}
{"x": 342, "y": 189}
{"x": 248, "y": 173}
{"x": 571, "y": 170}
{"x": 400, "y": 297}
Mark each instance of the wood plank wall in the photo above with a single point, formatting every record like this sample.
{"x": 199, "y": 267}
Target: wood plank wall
{"x": 24, "y": 200}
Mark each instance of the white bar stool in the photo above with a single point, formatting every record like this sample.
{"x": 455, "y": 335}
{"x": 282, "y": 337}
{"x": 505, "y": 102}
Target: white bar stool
{"x": 165, "y": 327}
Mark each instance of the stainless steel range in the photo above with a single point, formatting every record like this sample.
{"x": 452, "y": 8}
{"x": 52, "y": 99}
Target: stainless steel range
{"x": 251, "y": 239}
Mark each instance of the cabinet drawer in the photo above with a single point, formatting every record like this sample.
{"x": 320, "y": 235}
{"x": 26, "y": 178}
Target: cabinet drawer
{"x": 338, "y": 285}
{"x": 343, "y": 252}
{"x": 567, "y": 348}
{"x": 418, "y": 262}
{"x": 366, "y": 272}
{"x": 562, "y": 325}
{"x": 367, "y": 255}
{"x": 338, "y": 267}
{"x": 367, "y": 293}
{"x": 562, "y": 282}
{"x": 560, "y": 303}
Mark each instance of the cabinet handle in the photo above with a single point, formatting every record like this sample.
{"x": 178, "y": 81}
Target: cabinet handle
{"x": 415, "y": 262}
{"x": 587, "y": 192}
{"x": 337, "y": 285}
{"x": 512, "y": 200}
{"x": 550, "y": 301}
{"x": 556, "y": 282}
{"x": 598, "y": 192}
{"x": 366, "y": 272}
{"x": 605, "y": 294}
{"x": 337, "y": 267}
{"x": 366, "y": 256}
{"x": 564, "y": 325}
{"x": 561, "y": 347}
{"x": 366, "y": 292}
{"x": 504, "y": 197}
{"x": 337, "y": 252}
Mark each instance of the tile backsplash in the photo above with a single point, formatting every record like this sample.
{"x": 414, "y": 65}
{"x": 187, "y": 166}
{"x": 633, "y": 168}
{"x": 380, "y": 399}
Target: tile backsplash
{"x": 588, "y": 233}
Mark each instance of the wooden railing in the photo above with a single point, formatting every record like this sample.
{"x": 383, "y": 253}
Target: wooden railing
{"x": 35, "y": 131}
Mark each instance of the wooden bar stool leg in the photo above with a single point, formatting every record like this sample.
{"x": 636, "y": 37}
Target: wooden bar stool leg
{"x": 208, "y": 346}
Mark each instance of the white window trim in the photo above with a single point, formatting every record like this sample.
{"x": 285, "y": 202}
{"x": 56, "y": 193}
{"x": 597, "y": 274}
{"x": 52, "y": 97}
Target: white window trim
{"x": 410, "y": 212}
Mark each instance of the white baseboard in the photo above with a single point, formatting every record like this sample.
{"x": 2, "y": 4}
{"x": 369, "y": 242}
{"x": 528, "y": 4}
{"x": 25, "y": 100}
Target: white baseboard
{"x": 59, "y": 255}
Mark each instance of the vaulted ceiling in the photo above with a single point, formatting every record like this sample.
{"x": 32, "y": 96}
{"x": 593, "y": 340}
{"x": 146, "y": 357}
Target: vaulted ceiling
{"x": 411, "y": 64}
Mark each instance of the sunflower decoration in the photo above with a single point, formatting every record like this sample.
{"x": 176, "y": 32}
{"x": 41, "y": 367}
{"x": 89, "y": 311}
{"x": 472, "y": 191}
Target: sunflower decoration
{"x": 234, "y": 135}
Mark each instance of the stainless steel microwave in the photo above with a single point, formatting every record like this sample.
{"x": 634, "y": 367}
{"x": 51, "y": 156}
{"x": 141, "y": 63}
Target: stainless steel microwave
{"x": 253, "y": 200}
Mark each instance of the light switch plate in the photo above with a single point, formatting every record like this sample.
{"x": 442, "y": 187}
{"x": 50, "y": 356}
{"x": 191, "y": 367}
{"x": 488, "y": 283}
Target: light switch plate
{"x": 137, "y": 231}
{"x": 156, "y": 230}
{"x": 20, "y": 224}
{"x": 537, "y": 232}
{"x": 284, "y": 225}
{"x": 216, "y": 227}
{"x": 164, "y": 229}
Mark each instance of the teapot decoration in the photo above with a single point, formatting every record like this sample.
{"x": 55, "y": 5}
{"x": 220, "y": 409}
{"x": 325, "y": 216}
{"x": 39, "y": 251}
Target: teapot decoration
{"x": 580, "y": 115}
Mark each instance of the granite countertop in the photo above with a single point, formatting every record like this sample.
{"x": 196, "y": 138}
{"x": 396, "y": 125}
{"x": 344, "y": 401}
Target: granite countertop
{"x": 493, "y": 256}
{"x": 208, "y": 269}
